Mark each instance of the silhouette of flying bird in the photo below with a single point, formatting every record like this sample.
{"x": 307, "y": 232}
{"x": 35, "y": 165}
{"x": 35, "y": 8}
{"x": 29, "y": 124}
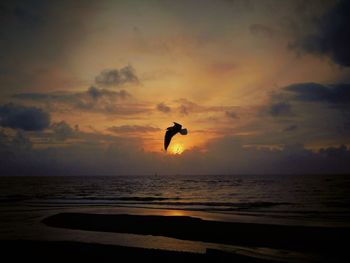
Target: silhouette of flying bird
{"x": 171, "y": 131}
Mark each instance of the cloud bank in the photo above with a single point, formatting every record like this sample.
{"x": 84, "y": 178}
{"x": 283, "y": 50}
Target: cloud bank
{"x": 123, "y": 157}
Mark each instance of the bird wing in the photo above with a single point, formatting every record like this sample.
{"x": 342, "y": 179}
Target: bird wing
{"x": 167, "y": 138}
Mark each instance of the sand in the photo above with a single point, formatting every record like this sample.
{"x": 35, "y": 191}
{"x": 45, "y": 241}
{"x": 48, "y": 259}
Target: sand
{"x": 67, "y": 251}
{"x": 323, "y": 244}
{"x": 326, "y": 243}
{"x": 190, "y": 228}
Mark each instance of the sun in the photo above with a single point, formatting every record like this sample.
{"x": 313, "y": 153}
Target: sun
{"x": 177, "y": 148}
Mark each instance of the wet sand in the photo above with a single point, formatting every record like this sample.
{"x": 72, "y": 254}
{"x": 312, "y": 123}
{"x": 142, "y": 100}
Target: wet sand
{"x": 326, "y": 242}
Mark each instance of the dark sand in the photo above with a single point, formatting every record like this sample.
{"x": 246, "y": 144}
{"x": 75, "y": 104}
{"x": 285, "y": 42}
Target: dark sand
{"x": 323, "y": 244}
{"x": 67, "y": 251}
{"x": 299, "y": 238}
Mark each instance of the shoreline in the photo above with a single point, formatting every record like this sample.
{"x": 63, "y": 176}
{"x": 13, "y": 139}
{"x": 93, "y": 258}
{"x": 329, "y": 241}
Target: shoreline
{"x": 174, "y": 231}
{"x": 324, "y": 241}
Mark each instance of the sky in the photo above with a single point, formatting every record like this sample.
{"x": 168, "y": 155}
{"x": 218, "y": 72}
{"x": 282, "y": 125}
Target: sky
{"x": 89, "y": 87}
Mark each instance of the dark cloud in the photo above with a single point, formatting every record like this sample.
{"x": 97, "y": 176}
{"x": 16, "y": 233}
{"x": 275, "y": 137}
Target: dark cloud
{"x": 94, "y": 99}
{"x": 335, "y": 152}
{"x": 309, "y": 113}
{"x": 232, "y": 114}
{"x": 132, "y": 129}
{"x": 163, "y": 107}
{"x": 25, "y": 118}
{"x": 21, "y": 141}
{"x": 290, "y": 128}
{"x": 225, "y": 155}
{"x": 92, "y": 93}
{"x": 260, "y": 30}
{"x": 280, "y": 109}
{"x": 93, "y": 153}
{"x": 332, "y": 36}
{"x": 14, "y": 143}
{"x": 186, "y": 107}
{"x": 62, "y": 130}
{"x": 117, "y": 77}
{"x": 337, "y": 95}
{"x": 97, "y": 93}
{"x": 289, "y": 159}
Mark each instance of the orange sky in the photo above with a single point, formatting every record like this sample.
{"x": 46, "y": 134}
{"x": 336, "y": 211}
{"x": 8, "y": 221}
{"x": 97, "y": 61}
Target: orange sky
{"x": 129, "y": 69}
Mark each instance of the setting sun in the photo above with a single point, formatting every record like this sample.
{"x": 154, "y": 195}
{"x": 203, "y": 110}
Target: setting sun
{"x": 177, "y": 148}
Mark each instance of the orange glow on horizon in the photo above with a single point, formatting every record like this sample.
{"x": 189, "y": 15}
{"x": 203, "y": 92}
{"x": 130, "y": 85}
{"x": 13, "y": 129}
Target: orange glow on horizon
{"x": 175, "y": 213}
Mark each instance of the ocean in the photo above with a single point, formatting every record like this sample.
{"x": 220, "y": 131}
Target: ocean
{"x": 320, "y": 200}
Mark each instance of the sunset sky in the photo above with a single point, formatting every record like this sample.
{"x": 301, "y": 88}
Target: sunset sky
{"x": 89, "y": 87}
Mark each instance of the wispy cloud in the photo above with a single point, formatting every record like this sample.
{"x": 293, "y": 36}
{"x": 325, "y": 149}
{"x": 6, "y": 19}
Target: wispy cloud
{"x": 93, "y": 99}
{"x": 163, "y": 107}
{"x": 117, "y": 77}
{"x": 133, "y": 129}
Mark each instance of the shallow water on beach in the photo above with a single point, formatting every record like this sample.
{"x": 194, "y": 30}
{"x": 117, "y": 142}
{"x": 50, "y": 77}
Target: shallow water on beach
{"x": 291, "y": 199}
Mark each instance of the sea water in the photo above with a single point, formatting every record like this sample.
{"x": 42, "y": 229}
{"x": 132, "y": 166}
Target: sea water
{"x": 301, "y": 199}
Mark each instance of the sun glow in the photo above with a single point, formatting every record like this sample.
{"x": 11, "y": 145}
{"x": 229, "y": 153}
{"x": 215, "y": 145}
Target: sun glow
{"x": 177, "y": 148}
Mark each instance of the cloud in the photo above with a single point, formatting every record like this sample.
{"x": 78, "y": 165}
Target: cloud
{"x": 123, "y": 156}
{"x": 90, "y": 154}
{"x": 117, "y": 77}
{"x": 95, "y": 93}
{"x": 309, "y": 113}
{"x": 186, "y": 107}
{"x": 93, "y": 99}
{"x": 290, "y": 128}
{"x": 62, "y": 130}
{"x": 332, "y": 36}
{"x": 232, "y": 155}
{"x": 231, "y": 114}
{"x": 260, "y": 30}
{"x": 280, "y": 109}
{"x": 91, "y": 93}
{"x": 21, "y": 141}
{"x": 22, "y": 117}
{"x": 14, "y": 143}
{"x": 133, "y": 129}
{"x": 337, "y": 95}
{"x": 163, "y": 107}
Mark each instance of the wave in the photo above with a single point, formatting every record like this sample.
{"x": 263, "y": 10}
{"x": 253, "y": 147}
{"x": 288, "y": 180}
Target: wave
{"x": 86, "y": 198}
{"x": 147, "y": 198}
{"x": 164, "y": 202}
{"x": 227, "y": 205}
{"x": 144, "y": 200}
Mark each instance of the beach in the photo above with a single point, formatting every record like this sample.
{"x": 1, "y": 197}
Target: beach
{"x": 94, "y": 236}
{"x": 164, "y": 219}
{"x": 300, "y": 238}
